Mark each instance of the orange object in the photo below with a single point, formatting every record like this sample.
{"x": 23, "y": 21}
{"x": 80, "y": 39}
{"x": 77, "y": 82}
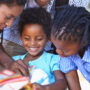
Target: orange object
{"x": 28, "y": 87}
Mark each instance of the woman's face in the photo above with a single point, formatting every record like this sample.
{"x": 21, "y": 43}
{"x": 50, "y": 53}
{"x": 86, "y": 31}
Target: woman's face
{"x": 8, "y": 14}
{"x": 42, "y": 2}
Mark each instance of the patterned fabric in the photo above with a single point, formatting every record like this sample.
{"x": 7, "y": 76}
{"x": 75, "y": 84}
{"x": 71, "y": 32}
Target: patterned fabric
{"x": 49, "y": 7}
{"x": 47, "y": 63}
{"x": 32, "y": 4}
{"x": 12, "y": 34}
{"x": 41, "y": 78}
{"x": 80, "y": 3}
{"x": 83, "y": 64}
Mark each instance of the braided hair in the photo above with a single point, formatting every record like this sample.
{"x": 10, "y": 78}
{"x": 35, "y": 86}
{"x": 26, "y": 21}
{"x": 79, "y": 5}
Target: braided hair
{"x": 71, "y": 22}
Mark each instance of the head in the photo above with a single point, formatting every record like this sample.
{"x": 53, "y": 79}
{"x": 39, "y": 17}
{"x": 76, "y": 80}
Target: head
{"x": 42, "y": 2}
{"x": 71, "y": 30}
{"x": 34, "y": 27}
{"x": 9, "y": 10}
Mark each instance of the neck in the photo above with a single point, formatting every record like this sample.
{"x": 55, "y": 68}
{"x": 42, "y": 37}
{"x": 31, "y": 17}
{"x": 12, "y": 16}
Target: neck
{"x": 29, "y": 57}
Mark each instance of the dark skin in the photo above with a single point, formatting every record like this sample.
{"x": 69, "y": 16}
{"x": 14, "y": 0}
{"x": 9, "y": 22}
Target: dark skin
{"x": 8, "y": 63}
{"x": 42, "y": 2}
{"x": 59, "y": 84}
{"x": 34, "y": 39}
{"x": 73, "y": 80}
{"x": 57, "y": 2}
{"x": 5, "y": 59}
{"x": 7, "y": 15}
{"x": 67, "y": 48}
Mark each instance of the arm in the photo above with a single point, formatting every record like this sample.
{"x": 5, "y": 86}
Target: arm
{"x": 7, "y": 62}
{"x": 73, "y": 80}
{"x": 59, "y": 84}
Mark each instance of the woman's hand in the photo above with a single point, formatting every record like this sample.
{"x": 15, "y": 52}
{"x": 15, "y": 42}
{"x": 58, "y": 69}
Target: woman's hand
{"x": 19, "y": 67}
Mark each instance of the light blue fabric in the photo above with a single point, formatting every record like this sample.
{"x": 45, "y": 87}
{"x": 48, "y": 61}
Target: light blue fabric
{"x": 47, "y": 62}
{"x": 83, "y": 64}
{"x": 66, "y": 65}
{"x": 75, "y": 61}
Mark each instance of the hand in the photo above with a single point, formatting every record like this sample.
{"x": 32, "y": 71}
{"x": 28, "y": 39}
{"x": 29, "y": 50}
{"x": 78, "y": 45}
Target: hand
{"x": 37, "y": 86}
{"x": 19, "y": 67}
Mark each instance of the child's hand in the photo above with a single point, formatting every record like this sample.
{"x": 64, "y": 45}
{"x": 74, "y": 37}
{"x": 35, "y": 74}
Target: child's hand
{"x": 38, "y": 87}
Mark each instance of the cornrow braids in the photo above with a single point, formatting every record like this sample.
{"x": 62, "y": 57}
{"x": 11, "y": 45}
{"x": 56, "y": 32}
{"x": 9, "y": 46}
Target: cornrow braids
{"x": 11, "y": 2}
{"x": 36, "y": 16}
{"x": 71, "y": 22}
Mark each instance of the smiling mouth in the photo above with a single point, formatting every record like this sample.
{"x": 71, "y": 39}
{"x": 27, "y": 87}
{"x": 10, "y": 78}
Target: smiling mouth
{"x": 33, "y": 49}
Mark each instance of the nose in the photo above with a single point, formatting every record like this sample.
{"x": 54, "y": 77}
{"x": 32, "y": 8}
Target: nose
{"x": 60, "y": 52}
{"x": 33, "y": 42}
{"x": 9, "y": 23}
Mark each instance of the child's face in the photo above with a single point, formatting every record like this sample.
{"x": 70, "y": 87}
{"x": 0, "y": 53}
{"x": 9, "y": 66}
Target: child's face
{"x": 66, "y": 48}
{"x": 34, "y": 39}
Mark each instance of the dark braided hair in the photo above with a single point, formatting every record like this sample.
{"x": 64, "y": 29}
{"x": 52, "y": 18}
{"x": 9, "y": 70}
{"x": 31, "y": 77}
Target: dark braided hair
{"x": 11, "y": 2}
{"x": 71, "y": 22}
{"x": 36, "y": 16}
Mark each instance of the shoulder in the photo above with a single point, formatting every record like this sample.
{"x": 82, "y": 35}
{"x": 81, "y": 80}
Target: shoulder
{"x": 52, "y": 61}
{"x": 51, "y": 56}
{"x": 66, "y": 64}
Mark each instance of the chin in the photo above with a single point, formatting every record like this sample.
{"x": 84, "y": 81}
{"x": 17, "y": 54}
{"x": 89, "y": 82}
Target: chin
{"x": 33, "y": 54}
{"x": 63, "y": 56}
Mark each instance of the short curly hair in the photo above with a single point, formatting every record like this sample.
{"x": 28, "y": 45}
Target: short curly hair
{"x": 35, "y": 16}
{"x": 11, "y": 2}
{"x": 71, "y": 22}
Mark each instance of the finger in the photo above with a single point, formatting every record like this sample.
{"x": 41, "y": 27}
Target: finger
{"x": 16, "y": 67}
{"x": 17, "y": 72}
{"x": 20, "y": 69}
{"x": 23, "y": 70}
{"x": 21, "y": 63}
{"x": 37, "y": 86}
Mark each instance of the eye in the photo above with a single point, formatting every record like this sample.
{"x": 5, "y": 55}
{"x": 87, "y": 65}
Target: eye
{"x": 26, "y": 38}
{"x": 8, "y": 17}
{"x": 39, "y": 38}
